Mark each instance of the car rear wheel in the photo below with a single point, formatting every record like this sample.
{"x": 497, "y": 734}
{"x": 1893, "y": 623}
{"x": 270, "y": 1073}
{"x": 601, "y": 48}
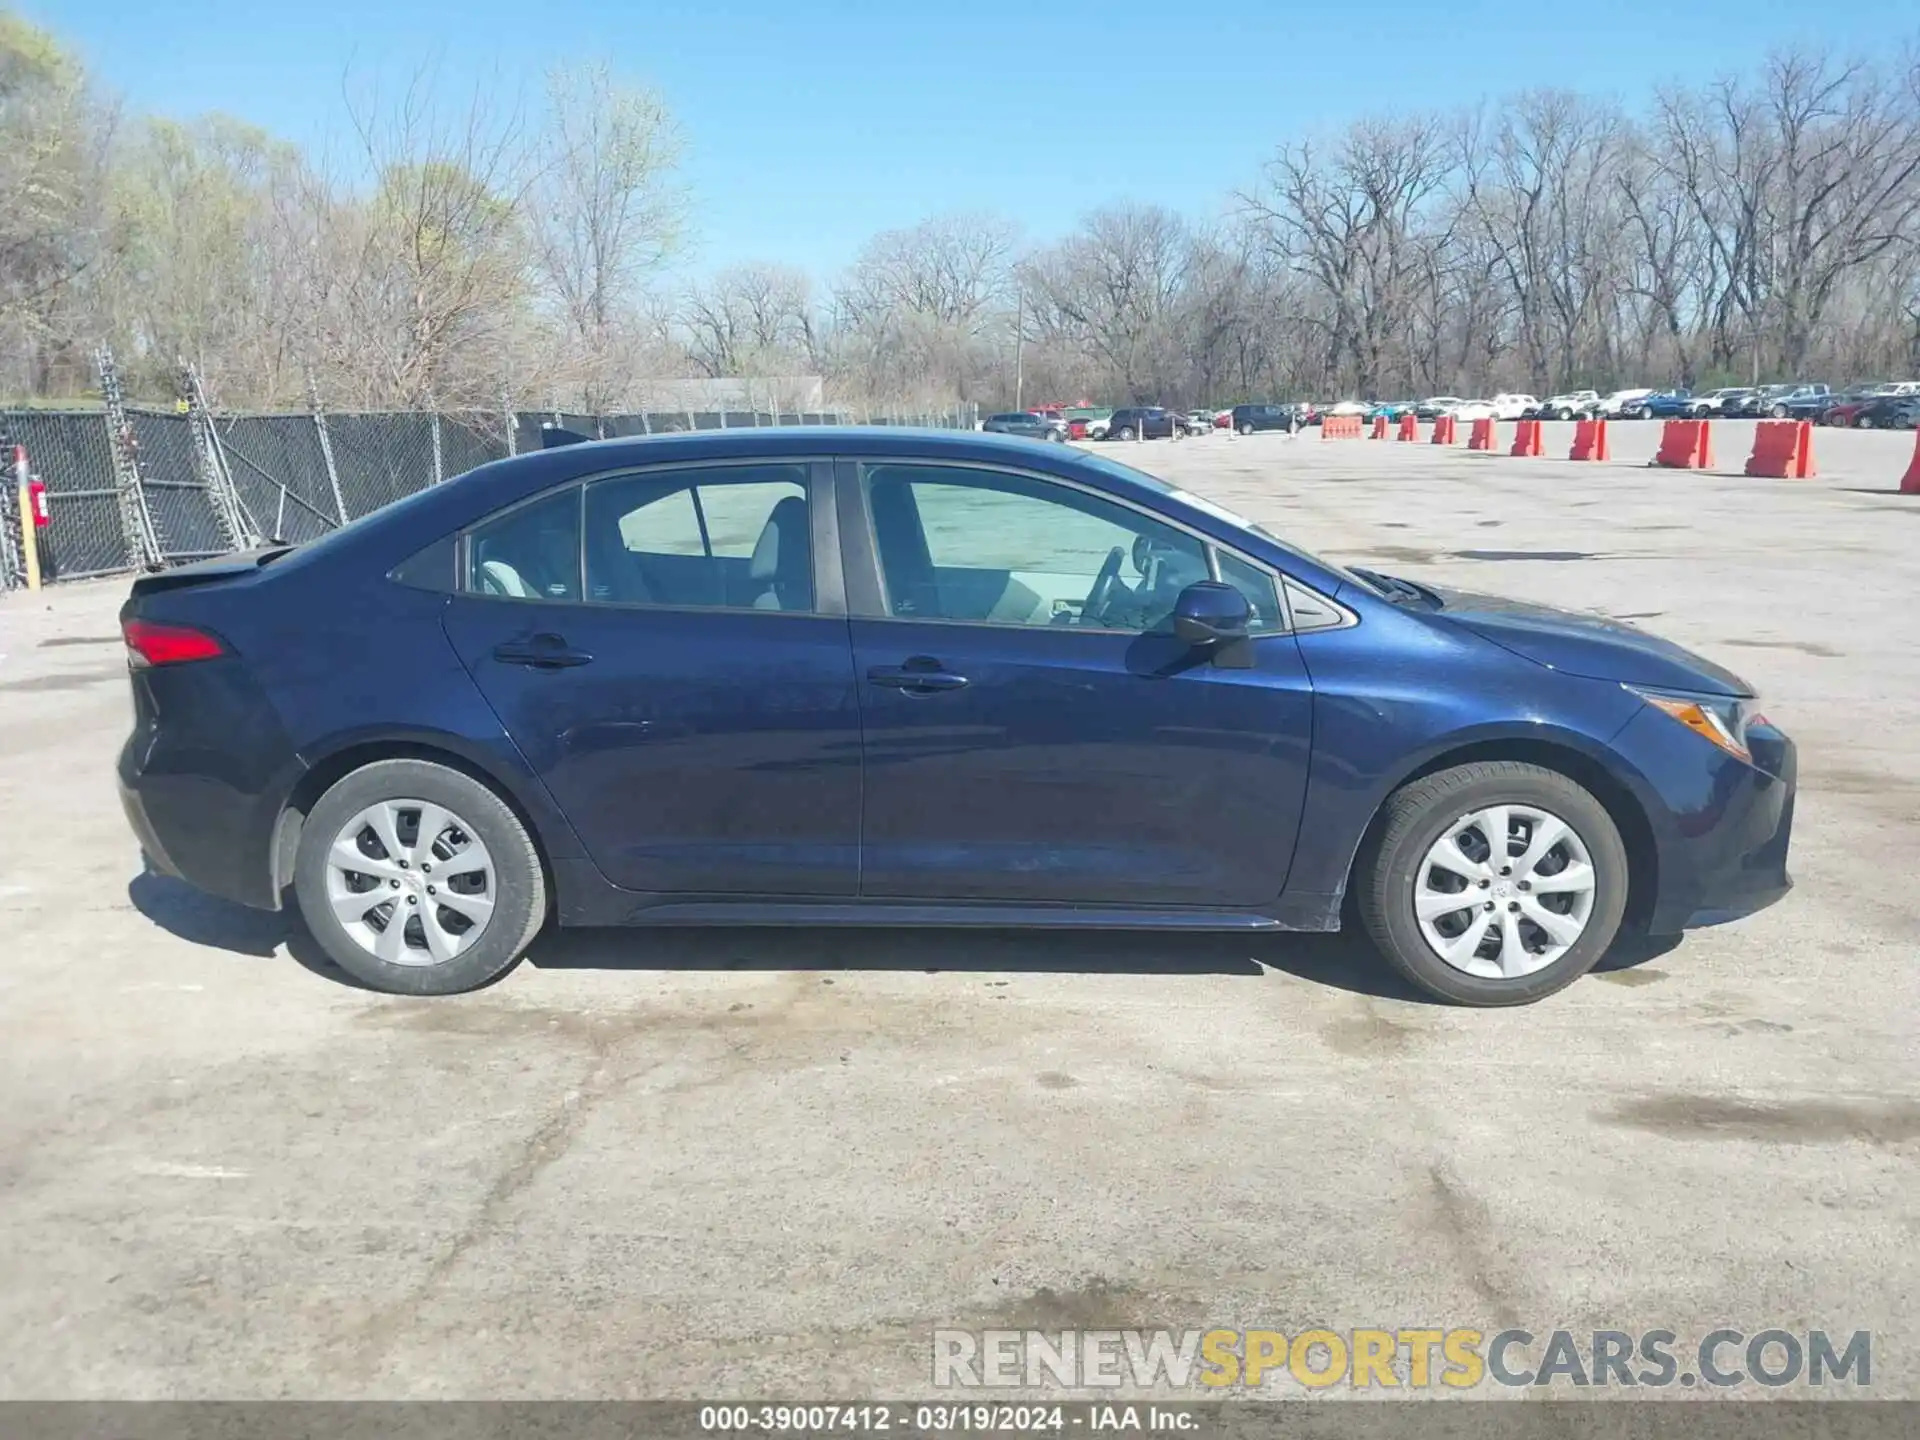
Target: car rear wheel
{"x": 1495, "y": 883}
{"x": 1246, "y": 429}
{"x": 418, "y": 880}
{"x": 1863, "y": 422}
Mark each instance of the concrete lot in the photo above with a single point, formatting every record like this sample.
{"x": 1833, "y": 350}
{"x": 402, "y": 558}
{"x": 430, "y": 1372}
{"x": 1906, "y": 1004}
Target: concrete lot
{"x": 743, "y": 1164}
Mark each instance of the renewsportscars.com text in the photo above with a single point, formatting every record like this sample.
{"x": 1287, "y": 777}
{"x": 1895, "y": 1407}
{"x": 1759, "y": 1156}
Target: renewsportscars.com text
{"x": 1401, "y": 1358}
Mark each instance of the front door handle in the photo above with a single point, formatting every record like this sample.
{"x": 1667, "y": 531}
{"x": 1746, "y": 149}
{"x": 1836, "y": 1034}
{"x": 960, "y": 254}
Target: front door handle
{"x": 916, "y": 677}
{"x": 541, "y": 652}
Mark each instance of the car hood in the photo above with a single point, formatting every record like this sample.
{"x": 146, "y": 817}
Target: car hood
{"x": 1590, "y": 646}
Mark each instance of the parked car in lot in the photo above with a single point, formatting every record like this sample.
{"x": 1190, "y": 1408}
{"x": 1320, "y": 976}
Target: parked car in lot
{"x": 1512, "y": 407}
{"x": 1664, "y": 405}
{"x": 1574, "y": 405}
{"x": 1142, "y": 422}
{"x": 1715, "y": 402}
{"x": 1622, "y": 403}
{"x": 1245, "y": 419}
{"x": 1197, "y": 422}
{"x": 1025, "y": 423}
{"x": 1389, "y": 409}
{"x": 885, "y": 677}
{"x": 1434, "y": 406}
{"x": 1842, "y": 409}
{"x": 1879, "y": 412}
{"x": 1467, "y": 411}
{"x": 1801, "y": 402}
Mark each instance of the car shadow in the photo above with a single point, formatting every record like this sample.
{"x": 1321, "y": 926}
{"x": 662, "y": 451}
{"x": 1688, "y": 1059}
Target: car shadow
{"x": 1340, "y": 961}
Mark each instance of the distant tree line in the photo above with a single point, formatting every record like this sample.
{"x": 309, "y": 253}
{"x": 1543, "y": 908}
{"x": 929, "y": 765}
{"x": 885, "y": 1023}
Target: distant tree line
{"x": 1752, "y": 227}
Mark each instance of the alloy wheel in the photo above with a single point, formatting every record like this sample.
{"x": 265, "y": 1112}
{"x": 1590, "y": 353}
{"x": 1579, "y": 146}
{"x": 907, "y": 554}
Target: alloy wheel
{"x": 410, "y": 882}
{"x": 1504, "y": 892}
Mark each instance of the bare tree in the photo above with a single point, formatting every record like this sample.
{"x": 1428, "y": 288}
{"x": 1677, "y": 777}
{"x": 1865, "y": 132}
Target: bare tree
{"x": 1347, "y": 221}
{"x": 753, "y": 319}
{"x": 606, "y": 212}
{"x": 54, "y": 141}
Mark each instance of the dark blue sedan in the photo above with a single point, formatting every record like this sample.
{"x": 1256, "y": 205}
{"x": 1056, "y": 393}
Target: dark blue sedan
{"x": 901, "y": 678}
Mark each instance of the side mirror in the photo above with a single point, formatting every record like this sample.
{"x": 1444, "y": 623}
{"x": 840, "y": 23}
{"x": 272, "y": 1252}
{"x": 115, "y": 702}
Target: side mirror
{"x": 1208, "y": 613}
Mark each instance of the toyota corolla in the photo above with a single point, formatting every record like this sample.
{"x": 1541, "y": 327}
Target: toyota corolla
{"x": 893, "y": 678}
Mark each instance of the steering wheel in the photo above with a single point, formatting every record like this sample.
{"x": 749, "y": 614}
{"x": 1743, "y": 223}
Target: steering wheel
{"x": 1104, "y": 584}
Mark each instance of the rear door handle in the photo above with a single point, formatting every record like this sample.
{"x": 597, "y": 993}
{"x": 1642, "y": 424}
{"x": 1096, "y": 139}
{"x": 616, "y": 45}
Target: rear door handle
{"x": 541, "y": 652}
{"x": 915, "y": 681}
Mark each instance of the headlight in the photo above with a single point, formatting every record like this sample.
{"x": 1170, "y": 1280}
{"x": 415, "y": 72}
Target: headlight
{"x": 1722, "y": 719}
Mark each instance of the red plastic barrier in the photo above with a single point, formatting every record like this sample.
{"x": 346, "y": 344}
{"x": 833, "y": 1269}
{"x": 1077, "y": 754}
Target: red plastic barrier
{"x": 1379, "y": 427}
{"x": 1589, "y": 440}
{"x": 1782, "y": 450}
{"x": 1685, "y": 445}
{"x": 1526, "y": 439}
{"x": 1482, "y": 436}
{"x": 1409, "y": 426}
{"x": 1443, "y": 431}
{"x": 1340, "y": 427}
{"x": 1910, "y": 482}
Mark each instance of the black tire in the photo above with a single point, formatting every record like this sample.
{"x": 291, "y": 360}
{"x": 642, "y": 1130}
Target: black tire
{"x": 1643, "y": 413}
{"x": 1126, "y": 432}
{"x": 1863, "y": 422}
{"x": 1246, "y": 429}
{"x": 1778, "y": 412}
{"x": 1419, "y": 813}
{"x": 519, "y": 884}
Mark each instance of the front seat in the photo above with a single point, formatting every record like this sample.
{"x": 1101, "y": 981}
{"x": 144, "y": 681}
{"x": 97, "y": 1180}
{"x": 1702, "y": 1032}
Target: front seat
{"x": 782, "y": 566}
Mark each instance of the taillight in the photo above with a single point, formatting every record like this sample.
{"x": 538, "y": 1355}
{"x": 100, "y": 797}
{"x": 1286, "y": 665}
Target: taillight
{"x": 150, "y": 644}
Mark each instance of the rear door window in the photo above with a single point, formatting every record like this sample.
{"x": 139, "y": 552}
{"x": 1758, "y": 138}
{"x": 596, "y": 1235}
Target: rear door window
{"x": 727, "y": 537}
{"x": 531, "y": 552}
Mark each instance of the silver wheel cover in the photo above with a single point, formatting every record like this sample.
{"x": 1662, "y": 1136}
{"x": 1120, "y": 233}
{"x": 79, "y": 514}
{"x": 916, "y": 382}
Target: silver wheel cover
{"x": 410, "y": 882}
{"x": 1504, "y": 892}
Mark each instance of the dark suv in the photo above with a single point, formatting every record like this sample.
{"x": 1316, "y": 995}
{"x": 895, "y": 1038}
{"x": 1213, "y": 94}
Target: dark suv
{"x": 1249, "y": 418}
{"x": 1142, "y": 422}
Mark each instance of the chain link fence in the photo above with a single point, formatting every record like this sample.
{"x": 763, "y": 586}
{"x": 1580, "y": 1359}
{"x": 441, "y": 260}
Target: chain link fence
{"x": 293, "y": 476}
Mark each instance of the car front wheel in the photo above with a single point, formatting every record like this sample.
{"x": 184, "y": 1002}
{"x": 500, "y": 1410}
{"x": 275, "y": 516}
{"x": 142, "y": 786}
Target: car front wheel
{"x": 1495, "y": 883}
{"x": 1125, "y": 432}
{"x": 418, "y": 880}
{"x": 1863, "y": 422}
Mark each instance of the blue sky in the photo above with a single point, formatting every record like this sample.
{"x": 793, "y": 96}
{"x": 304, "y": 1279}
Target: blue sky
{"x": 811, "y": 124}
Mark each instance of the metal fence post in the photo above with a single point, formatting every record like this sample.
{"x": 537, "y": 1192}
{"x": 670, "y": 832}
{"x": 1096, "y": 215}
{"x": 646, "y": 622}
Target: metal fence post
{"x": 142, "y": 541}
{"x": 439, "y": 468}
{"x": 326, "y": 453}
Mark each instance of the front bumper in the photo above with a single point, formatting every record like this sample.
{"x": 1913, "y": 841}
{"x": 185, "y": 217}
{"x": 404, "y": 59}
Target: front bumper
{"x": 1721, "y": 826}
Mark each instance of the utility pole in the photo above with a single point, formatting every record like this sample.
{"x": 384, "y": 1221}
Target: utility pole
{"x": 1019, "y": 338}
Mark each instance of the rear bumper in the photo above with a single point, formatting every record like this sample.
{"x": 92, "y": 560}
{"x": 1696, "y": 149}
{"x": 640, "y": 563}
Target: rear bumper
{"x": 202, "y": 790}
{"x": 198, "y": 829}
